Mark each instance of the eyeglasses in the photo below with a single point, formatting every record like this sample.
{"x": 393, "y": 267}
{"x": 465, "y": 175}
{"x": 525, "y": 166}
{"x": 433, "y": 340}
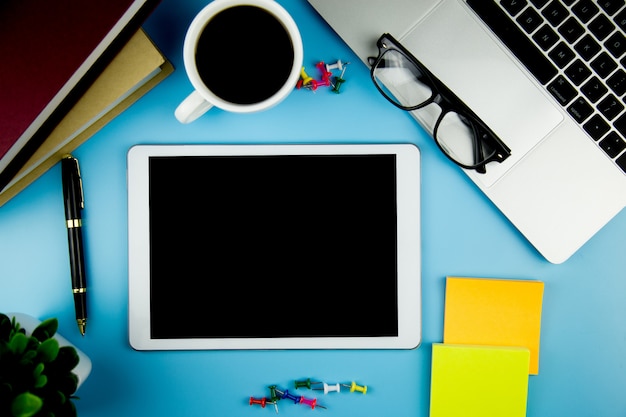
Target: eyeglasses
{"x": 462, "y": 136}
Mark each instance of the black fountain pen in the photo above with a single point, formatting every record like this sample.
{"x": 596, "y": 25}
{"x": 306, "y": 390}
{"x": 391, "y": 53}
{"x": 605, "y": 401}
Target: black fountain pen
{"x": 74, "y": 204}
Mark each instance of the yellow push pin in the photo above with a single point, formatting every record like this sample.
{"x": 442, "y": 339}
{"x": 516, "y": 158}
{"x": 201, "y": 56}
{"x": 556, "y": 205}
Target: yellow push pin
{"x": 305, "y": 78}
{"x": 354, "y": 387}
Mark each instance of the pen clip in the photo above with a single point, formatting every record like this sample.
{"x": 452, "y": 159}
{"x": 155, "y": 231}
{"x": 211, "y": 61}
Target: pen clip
{"x": 80, "y": 185}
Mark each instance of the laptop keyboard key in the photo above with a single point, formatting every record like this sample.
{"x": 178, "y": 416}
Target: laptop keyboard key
{"x": 611, "y": 6}
{"x": 580, "y": 110}
{"x": 601, "y": 26}
{"x": 617, "y": 82}
{"x": 545, "y": 37}
{"x": 604, "y": 65}
{"x": 587, "y": 47}
{"x": 562, "y": 55}
{"x": 562, "y": 90}
{"x": 594, "y": 89}
{"x": 529, "y": 20}
{"x": 585, "y": 10}
{"x": 596, "y": 127}
{"x": 578, "y": 72}
{"x": 610, "y": 107}
{"x": 613, "y": 145}
{"x": 555, "y": 13}
{"x": 571, "y": 30}
{"x": 616, "y": 44}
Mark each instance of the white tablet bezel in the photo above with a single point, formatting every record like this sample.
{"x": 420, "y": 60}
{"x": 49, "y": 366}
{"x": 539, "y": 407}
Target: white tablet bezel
{"x": 408, "y": 248}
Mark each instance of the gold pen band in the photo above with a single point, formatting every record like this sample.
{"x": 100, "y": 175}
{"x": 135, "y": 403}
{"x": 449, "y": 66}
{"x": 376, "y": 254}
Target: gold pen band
{"x": 79, "y": 290}
{"x": 72, "y": 223}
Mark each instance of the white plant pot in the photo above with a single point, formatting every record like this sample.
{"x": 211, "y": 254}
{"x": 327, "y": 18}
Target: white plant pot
{"x": 29, "y": 323}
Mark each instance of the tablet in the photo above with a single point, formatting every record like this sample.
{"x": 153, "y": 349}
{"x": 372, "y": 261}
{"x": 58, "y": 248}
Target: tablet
{"x": 274, "y": 246}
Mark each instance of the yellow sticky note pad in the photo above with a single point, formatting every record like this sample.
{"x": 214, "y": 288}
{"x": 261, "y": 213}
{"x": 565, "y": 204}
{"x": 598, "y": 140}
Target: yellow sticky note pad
{"x": 494, "y": 312}
{"x": 479, "y": 381}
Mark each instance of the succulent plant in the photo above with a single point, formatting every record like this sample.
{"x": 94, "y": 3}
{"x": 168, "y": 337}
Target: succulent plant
{"x": 36, "y": 376}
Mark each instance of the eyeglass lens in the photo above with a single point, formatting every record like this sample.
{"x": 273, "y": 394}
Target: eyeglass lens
{"x": 404, "y": 84}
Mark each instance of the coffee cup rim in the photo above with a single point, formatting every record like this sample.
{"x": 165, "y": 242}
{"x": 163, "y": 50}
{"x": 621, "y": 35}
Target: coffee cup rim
{"x": 198, "y": 24}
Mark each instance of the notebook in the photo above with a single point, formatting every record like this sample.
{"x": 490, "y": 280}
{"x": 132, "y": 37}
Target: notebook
{"x": 136, "y": 69}
{"x": 52, "y": 52}
{"x": 547, "y": 77}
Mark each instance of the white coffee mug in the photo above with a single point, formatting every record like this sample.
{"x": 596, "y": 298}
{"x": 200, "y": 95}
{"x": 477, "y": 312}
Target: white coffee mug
{"x": 241, "y": 56}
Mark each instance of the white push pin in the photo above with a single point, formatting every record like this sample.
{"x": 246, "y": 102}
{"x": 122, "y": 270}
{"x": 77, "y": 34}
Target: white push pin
{"x": 337, "y": 65}
{"x": 329, "y": 388}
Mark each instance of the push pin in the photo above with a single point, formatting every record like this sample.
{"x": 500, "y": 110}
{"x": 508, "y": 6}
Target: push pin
{"x": 306, "y": 81}
{"x": 329, "y": 388}
{"x": 337, "y": 65}
{"x": 325, "y": 73}
{"x": 311, "y": 402}
{"x": 274, "y": 397}
{"x": 305, "y": 77}
{"x": 305, "y": 384}
{"x": 259, "y": 401}
{"x": 287, "y": 395}
{"x": 339, "y": 80}
{"x": 354, "y": 387}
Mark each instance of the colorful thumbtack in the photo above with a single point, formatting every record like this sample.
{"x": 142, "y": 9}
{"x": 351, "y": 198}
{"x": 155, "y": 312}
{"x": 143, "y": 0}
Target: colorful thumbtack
{"x": 329, "y": 388}
{"x": 339, "y": 80}
{"x": 259, "y": 401}
{"x": 337, "y": 65}
{"x": 305, "y": 383}
{"x": 274, "y": 397}
{"x": 354, "y": 387}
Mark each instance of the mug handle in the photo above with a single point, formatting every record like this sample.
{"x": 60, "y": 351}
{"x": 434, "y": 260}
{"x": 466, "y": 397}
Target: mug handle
{"x": 192, "y": 107}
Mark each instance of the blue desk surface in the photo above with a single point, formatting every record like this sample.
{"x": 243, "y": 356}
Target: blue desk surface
{"x": 583, "y": 336}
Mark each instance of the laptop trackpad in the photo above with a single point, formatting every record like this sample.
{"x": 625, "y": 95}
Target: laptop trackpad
{"x": 461, "y": 53}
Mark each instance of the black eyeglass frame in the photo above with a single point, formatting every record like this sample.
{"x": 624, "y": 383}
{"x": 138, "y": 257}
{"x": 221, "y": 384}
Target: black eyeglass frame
{"x": 448, "y": 102}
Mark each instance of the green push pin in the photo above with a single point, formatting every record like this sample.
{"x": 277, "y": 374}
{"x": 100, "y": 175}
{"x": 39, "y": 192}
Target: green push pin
{"x": 305, "y": 384}
{"x": 274, "y": 397}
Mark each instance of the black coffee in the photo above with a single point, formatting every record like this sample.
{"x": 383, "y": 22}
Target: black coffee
{"x": 244, "y": 55}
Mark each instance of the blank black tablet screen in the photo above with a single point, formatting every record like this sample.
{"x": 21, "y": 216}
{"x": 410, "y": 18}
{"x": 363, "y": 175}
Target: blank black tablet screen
{"x": 273, "y": 246}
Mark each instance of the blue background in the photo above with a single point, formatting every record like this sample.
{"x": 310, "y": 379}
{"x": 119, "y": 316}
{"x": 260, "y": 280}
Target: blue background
{"x": 583, "y": 336}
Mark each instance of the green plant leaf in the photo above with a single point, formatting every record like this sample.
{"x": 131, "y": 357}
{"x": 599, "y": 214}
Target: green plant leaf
{"x": 26, "y": 405}
{"x": 5, "y": 327}
{"x": 38, "y": 369}
{"x": 40, "y": 381}
{"x": 46, "y": 329}
{"x": 18, "y": 343}
{"x": 48, "y": 350}
{"x": 67, "y": 359}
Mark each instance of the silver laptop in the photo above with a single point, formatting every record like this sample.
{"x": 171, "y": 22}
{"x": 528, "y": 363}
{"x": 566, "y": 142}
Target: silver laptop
{"x": 545, "y": 76}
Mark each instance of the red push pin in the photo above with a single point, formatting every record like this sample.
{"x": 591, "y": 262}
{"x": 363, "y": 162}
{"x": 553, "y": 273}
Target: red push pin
{"x": 325, "y": 74}
{"x": 260, "y": 401}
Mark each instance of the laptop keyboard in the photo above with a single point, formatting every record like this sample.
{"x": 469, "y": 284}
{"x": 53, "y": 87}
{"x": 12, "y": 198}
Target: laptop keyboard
{"x": 576, "y": 49}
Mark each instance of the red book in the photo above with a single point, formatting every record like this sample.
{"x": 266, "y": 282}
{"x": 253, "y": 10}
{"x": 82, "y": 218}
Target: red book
{"x": 51, "y": 53}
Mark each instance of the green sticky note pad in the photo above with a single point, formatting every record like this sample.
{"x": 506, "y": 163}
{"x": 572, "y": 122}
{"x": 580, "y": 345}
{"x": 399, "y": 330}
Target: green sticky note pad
{"x": 481, "y": 381}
